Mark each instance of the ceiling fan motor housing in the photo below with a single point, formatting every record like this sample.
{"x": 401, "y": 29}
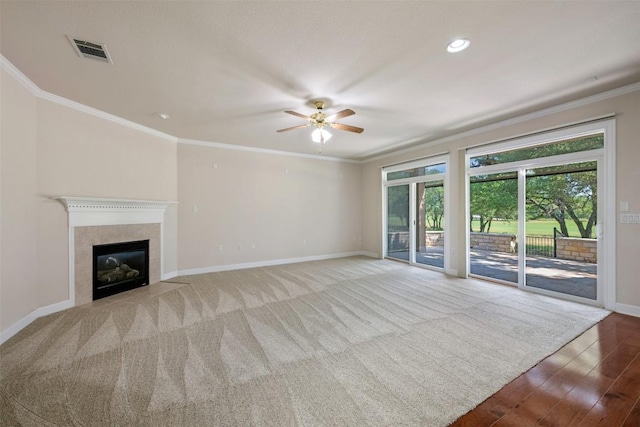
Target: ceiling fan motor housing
{"x": 317, "y": 119}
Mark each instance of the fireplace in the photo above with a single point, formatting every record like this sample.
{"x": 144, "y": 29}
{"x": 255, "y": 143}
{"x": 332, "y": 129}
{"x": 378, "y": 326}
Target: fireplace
{"x": 95, "y": 221}
{"x": 119, "y": 267}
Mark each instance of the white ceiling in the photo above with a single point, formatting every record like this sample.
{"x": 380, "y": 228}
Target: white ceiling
{"x": 226, "y": 71}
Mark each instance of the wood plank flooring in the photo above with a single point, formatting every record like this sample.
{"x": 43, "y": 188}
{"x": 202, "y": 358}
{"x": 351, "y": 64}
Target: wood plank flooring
{"x": 592, "y": 381}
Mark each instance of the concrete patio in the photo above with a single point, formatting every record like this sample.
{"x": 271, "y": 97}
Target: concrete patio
{"x": 567, "y": 277}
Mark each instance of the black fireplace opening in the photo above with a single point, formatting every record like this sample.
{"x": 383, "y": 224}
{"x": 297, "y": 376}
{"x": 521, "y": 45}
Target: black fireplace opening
{"x": 119, "y": 267}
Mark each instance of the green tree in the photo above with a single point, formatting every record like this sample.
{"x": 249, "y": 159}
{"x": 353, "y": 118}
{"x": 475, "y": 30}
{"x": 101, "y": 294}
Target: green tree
{"x": 434, "y": 207}
{"x": 563, "y": 193}
{"x": 582, "y": 143}
{"x": 493, "y": 199}
{"x": 398, "y": 203}
{"x": 565, "y": 197}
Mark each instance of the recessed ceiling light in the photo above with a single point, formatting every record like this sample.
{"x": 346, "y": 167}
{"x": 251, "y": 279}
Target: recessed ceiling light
{"x": 163, "y": 116}
{"x": 458, "y": 45}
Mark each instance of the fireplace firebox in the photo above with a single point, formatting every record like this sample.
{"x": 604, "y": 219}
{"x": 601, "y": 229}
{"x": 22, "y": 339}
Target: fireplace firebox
{"x": 119, "y": 267}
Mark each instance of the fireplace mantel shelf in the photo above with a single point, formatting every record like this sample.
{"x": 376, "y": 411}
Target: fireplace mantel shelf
{"x": 74, "y": 204}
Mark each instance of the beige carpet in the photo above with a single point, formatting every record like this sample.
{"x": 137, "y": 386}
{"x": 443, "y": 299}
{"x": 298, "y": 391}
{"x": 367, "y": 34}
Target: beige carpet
{"x": 345, "y": 342}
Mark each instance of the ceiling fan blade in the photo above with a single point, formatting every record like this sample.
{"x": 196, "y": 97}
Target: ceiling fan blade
{"x": 346, "y": 127}
{"x": 339, "y": 115}
{"x": 294, "y": 127}
{"x": 297, "y": 114}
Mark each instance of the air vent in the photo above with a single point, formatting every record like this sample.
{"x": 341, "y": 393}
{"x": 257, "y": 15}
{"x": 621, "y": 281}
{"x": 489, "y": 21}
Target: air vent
{"x": 90, "y": 50}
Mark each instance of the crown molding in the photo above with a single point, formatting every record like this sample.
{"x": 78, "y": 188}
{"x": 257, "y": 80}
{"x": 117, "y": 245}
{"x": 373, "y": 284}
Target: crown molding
{"x": 14, "y": 72}
{"x": 106, "y": 116}
{"x": 508, "y": 122}
{"x": 263, "y": 150}
{"x": 11, "y": 69}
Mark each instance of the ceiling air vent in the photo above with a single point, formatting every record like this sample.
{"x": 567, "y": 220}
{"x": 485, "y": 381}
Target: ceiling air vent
{"x": 90, "y": 50}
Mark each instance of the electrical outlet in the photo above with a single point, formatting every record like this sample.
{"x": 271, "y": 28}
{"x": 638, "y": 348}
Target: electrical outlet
{"x": 630, "y": 219}
{"x": 220, "y": 248}
{"x": 253, "y": 246}
{"x": 304, "y": 243}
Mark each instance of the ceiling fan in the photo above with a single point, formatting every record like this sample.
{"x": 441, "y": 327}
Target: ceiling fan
{"x": 321, "y": 120}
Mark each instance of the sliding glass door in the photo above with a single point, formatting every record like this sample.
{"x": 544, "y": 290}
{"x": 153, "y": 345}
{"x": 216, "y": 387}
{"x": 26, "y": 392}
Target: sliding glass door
{"x": 535, "y": 215}
{"x": 415, "y": 212}
{"x": 430, "y": 222}
{"x": 398, "y": 235}
{"x": 493, "y": 229}
{"x": 563, "y": 259}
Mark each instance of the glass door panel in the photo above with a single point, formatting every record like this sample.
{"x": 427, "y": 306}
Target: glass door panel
{"x": 561, "y": 221}
{"x": 398, "y": 220}
{"x": 430, "y": 223}
{"x": 493, "y": 251}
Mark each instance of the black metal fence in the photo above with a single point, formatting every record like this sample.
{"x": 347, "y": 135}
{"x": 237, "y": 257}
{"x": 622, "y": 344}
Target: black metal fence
{"x": 543, "y": 245}
{"x": 540, "y": 245}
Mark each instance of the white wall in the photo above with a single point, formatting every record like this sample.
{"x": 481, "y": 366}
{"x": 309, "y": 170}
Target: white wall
{"x": 271, "y": 201}
{"x": 49, "y": 150}
{"x": 18, "y": 202}
{"x": 627, "y": 110}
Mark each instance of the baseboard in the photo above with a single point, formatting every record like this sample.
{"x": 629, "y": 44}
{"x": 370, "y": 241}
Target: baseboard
{"x": 631, "y": 310}
{"x": 26, "y": 320}
{"x": 168, "y": 276}
{"x": 228, "y": 267}
{"x": 369, "y": 254}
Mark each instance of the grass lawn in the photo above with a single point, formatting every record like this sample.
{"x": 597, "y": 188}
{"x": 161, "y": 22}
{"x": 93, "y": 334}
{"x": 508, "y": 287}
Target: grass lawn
{"x": 539, "y": 227}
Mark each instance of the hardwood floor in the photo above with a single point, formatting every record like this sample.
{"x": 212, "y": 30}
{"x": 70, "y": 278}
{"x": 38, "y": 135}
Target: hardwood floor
{"x": 592, "y": 381}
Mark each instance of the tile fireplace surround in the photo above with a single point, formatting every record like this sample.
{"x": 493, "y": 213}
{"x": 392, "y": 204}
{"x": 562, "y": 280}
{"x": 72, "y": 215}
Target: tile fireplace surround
{"x": 94, "y": 221}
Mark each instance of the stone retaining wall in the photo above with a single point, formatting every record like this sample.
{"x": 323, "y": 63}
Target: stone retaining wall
{"x": 434, "y": 238}
{"x": 400, "y": 239}
{"x": 569, "y": 248}
{"x": 397, "y": 241}
{"x": 495, "y": 242}
{"x": 576, "y": 249}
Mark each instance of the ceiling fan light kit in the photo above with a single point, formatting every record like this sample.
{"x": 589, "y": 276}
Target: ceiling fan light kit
{"x": 320, "y": 135}
{"x": 320, "y": 120}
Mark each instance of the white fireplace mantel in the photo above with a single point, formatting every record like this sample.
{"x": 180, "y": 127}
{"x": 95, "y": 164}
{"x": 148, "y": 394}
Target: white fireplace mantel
{"x": 87, "y": 211}
{"x": 93, "y": 211}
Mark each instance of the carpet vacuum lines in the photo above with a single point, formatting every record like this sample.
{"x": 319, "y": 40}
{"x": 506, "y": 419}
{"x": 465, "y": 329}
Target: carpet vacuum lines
{"x": 352, "y": 341}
